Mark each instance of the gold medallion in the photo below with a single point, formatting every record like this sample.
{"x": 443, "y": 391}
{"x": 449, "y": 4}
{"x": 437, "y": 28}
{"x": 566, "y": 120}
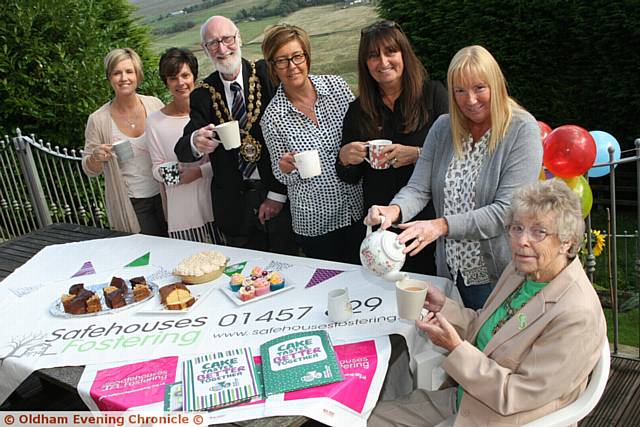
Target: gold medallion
{"x": 250, "y": 149}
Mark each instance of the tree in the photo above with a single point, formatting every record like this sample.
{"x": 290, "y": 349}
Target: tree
{"x": 51, "y": 66}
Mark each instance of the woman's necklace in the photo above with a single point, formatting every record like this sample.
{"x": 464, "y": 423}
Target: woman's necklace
{"x": 125, "y": 114}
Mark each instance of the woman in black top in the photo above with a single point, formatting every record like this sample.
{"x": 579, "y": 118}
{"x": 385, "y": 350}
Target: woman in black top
{"x": 397, "y": 102}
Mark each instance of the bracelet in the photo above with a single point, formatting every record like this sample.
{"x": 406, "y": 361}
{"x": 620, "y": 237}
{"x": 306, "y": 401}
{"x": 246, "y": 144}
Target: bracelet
{"x": 419, "y": 151}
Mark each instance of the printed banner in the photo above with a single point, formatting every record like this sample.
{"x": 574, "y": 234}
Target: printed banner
{"x": 39, "y": 339}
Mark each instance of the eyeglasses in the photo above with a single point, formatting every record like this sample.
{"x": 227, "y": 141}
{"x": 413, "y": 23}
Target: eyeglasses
{"x": 535, "y": 234}
{"x": 212, "y": 45}
{"x": 283, "y": 63}
{"x": 379, "y": 26}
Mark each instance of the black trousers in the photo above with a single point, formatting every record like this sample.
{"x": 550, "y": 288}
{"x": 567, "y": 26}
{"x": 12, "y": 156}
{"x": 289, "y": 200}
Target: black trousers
{"x": 150, "y": 215}
{"x": 275, "y": 235}
{"x": 341, "y": 245}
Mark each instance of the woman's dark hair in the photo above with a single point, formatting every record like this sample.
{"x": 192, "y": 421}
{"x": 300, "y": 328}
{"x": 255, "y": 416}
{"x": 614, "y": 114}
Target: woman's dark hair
{"x": 388, "y": 34}
{"x": 172, "y": 59}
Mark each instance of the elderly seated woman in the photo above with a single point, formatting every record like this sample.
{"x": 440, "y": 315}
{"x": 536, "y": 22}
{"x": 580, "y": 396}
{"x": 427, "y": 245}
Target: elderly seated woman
{"x": 530, "y": 349}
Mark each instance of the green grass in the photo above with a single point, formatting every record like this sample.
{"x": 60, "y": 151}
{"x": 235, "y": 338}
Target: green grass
{"x": 627, "y": 327}
{"x": 334, "y": 32}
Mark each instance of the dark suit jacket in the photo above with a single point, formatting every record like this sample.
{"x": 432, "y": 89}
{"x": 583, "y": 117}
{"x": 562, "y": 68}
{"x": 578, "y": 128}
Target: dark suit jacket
{"x": 226, "y": 185}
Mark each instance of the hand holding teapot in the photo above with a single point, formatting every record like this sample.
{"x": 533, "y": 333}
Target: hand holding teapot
{"x": 383, "y": 215}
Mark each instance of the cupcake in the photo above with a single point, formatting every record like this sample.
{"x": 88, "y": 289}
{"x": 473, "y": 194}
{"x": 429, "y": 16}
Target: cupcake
{"x": 246, "y": 293}
{"x": 261, "y": 285}
{"x": 236, "y": 281}
{"x": 276, "y": 280}
{"x": 256, "y": 271}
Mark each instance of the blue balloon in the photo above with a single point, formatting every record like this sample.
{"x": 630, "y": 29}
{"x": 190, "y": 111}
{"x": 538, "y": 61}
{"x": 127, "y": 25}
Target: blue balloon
{"x": 603, "y": 141}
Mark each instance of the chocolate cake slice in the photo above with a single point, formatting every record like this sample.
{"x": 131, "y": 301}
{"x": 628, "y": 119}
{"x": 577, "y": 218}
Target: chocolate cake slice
{"x": 137, "y": 280}
{"x": 114, "y": 297}
{"x": 120, "y": 284}
{"x": 75, "y": 289}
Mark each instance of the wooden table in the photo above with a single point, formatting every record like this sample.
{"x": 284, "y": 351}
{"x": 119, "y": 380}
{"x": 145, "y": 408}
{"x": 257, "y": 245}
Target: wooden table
{"x": 16, "y": 252}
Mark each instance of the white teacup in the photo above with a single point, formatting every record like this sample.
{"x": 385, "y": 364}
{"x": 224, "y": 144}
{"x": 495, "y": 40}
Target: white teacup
{"x": 308, "y": 163}
{"x": 376, "y": 158}
{"x": 339, "y": 306}
{"x": 122, "y": 149}
{"x": 229, "y": 134}
{"x": 410, "y": 297}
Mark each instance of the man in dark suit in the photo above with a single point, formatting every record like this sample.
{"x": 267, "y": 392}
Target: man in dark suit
{"x": 249, "y": 204}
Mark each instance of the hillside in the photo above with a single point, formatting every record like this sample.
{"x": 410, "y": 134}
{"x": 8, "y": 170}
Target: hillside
{"x": 335, "y": 32}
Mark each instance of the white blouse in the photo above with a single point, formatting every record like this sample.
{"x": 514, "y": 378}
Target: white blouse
{"x": 136, "y": 172}
{"x": 323, "y": 203}
{"x": 463, "y": 256}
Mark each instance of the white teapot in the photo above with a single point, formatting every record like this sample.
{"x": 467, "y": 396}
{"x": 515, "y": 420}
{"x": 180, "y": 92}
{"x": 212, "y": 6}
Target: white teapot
{"x": 381, "y": 253}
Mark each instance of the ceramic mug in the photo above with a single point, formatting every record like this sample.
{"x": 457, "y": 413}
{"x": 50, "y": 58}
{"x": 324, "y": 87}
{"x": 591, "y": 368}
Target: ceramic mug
{"x": 410, "y": 297}
{"x": 339, "y": 306}
{"x": 376, "y": 158}
{"x": 122, "y": 149}
{"x": 229, "y": 134}
{"x": 170, "y": 173}
{"x": 308, "y": 163}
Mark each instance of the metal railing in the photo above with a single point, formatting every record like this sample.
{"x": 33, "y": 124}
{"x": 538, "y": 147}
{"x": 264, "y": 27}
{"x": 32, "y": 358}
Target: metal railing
{"x": 41, "y": 184}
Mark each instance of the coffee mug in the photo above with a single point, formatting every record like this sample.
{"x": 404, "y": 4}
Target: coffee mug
{"x": 229, "y": 134}
{"x": 410, "y": 297}
{"x": 339, "y": 306}
{"x": 122, "y": 149}
{"x": 376, "y": 158}
{"x": 308, "y": 163}
{"x": 170, "y": 173}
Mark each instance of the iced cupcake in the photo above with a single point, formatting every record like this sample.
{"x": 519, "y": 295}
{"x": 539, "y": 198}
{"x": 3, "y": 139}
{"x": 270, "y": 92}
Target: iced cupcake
{"x": 261, "y": 285}
{"x": 236, "y": 282}
{"x": 246, "y": 293}
{"x": 276, "y": 280}
{"x": 256, "y": 271}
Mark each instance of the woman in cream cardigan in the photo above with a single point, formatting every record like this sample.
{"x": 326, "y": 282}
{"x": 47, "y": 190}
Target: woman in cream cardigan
{"x": 133, "y": 199}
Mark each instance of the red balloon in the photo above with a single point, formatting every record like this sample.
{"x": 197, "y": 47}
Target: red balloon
{"x": 569, "y": 151}
{"x": 545, "y": 129}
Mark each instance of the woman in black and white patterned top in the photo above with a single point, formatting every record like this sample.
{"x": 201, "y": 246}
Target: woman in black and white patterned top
{"x": 306, "y": 113}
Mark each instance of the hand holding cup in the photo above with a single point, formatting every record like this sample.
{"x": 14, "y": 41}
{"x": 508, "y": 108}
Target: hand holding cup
{"x": 205, "y": 139}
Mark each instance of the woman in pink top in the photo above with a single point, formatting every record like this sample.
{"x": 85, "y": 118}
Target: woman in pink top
{"x": 188, "y": 202}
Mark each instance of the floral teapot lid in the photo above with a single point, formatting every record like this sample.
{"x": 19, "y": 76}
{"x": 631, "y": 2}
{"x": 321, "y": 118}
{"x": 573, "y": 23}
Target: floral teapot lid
{"x": 381, "y": 253}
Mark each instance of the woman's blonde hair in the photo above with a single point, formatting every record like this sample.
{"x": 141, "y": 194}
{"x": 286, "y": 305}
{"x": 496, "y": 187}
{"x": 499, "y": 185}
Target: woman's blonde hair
{"x": 552, "y": 197}
{"x": 476, "y": 61}
{"x": 116, "y": 56}
{"x": 276, "y": 37}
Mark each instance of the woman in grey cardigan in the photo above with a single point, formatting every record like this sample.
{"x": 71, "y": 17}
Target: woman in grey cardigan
{"x": 473, "y": 159}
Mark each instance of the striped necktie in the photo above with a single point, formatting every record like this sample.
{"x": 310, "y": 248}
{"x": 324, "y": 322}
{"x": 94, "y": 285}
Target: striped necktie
{"x": 239, "y": 112}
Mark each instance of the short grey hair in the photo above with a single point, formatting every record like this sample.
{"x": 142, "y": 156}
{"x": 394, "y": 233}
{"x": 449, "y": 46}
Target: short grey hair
{"x": 203, "y": 30}
{"x": 552, "y": 197}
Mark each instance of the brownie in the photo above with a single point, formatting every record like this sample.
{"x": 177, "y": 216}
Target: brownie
{"x": 75, "y": 289}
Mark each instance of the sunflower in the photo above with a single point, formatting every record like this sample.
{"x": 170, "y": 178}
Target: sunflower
{"x": 598, "y": 242}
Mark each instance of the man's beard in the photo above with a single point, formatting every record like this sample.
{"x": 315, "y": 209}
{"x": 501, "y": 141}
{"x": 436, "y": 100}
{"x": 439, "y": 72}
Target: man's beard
{"x": 230, "y": 65}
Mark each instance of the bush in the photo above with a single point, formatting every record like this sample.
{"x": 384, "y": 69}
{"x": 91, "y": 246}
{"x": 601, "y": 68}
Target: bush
{"x": 565, "y": 61}
{"x": 51, "y": 68}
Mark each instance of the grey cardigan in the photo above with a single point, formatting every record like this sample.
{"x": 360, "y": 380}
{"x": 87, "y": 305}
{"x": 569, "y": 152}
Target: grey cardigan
{"x": 516, "y": 161}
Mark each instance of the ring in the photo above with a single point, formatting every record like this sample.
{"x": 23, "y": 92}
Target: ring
{"x": 420, "y": 239}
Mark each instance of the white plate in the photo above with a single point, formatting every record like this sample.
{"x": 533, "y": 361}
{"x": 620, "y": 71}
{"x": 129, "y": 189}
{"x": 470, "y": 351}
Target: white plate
{"x": 233, "y": 296}
{"x": 199, "y": 292}
{"x": 57, "y": 309}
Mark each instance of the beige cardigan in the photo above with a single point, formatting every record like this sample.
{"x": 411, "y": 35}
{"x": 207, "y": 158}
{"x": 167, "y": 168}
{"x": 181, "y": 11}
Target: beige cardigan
{"x": 120, "y": 211}
{"x": 539, "y": 361}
